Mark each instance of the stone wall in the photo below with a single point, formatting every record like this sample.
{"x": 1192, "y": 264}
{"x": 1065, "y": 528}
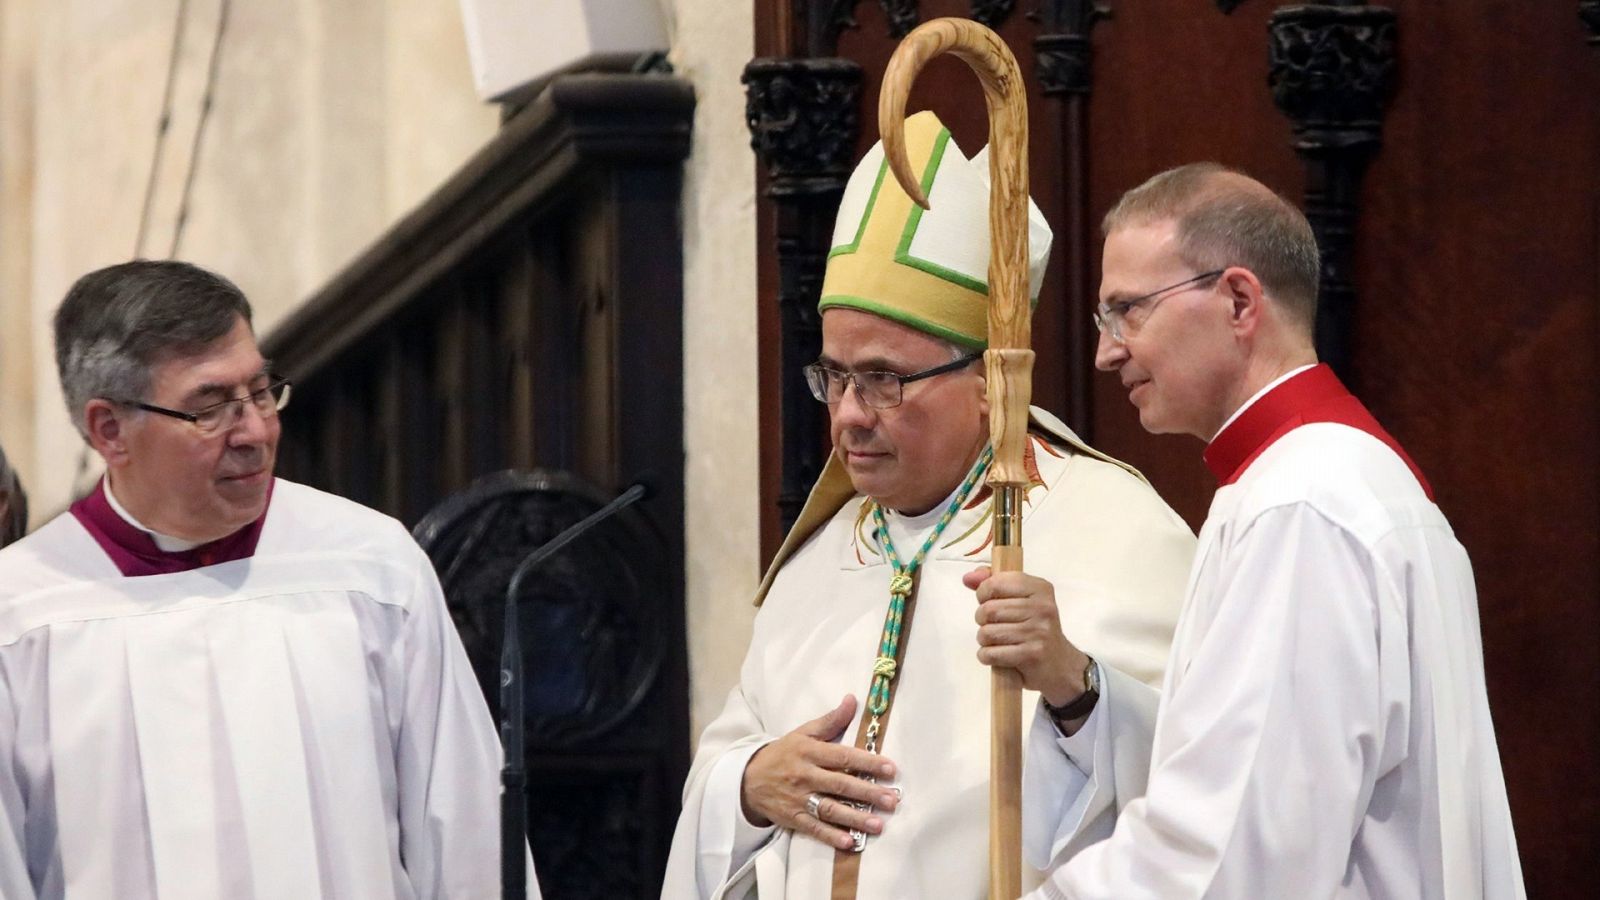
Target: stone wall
{"x": 328, "y": 120}
{"x": 711, "y": 44}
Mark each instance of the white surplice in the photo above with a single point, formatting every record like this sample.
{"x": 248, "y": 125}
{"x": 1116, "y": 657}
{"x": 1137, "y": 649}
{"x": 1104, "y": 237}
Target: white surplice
{"x": 1117, "y": 556}
{"x": 1324, "y": 730}
{"x": 299, "y": 724}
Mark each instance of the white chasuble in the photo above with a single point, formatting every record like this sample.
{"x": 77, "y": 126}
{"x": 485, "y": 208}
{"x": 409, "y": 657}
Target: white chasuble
{"x": 301, "y": 723}
{"x": 1117, "y": 557}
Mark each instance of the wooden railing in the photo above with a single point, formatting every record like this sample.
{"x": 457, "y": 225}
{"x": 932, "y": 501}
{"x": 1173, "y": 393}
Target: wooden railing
{"x": 528, "y": 316}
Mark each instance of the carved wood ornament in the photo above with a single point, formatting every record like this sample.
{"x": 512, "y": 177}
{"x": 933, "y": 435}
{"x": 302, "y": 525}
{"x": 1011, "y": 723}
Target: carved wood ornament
{"x": 1331, "y": 70}
{"x": 803, "y": 121}
{"x": 1064, "y": 63}
{"x": 992, "y": 13}
{"x": 903, "y": 16}
{"x": 1063, "y": 54}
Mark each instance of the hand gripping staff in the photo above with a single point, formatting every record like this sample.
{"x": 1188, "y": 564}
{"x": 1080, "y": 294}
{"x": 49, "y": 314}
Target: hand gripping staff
{"x": 1008, "y": 361}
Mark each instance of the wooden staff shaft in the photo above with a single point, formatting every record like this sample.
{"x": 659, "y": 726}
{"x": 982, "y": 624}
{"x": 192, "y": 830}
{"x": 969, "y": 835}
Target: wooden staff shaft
{"x": 1009, "y": 360}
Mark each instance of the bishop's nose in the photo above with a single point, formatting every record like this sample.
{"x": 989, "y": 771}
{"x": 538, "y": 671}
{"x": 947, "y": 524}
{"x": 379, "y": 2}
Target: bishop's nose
{"x": 851, "y": 412}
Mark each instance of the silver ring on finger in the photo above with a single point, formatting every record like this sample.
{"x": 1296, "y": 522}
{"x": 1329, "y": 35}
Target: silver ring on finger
{"x": 814, "y": 806}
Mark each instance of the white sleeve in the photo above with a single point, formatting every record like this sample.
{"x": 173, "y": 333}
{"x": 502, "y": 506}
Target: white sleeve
{"x": 1077, "y": 785}
{"x": 714, "y": 843}
{"x": 1267, "y": 747}
{"x": 1119, "y": 603}
{"x": 728, "y": 827}
{"x": 14, "y": 879}
{"x": 448, "y": 759}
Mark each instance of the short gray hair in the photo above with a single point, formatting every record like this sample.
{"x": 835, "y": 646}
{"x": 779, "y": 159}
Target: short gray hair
{"x": 955, "y": 350}
{"x": 1226, "y": 218}
{"x": 117, "y": 323}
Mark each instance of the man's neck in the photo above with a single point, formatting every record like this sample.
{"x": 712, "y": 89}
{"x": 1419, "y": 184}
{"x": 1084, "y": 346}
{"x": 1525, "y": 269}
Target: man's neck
{"x": 929, "y": 509}
{"x": 1261, "y": 372}
{"x": 931, "y": 503}
{"x": 167, "y": 543}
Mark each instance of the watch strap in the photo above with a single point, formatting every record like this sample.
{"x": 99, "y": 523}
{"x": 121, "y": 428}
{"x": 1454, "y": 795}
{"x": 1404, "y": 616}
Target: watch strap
{"x": 1084, "y": 703}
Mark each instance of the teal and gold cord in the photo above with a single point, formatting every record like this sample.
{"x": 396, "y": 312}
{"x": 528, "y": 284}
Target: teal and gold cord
{"x": 902, "y": 583}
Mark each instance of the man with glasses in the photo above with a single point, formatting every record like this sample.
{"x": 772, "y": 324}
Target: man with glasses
{"x": 796, "y": 793}
{"x": 215, "y": 683}
{"x": 1324, "y": 729}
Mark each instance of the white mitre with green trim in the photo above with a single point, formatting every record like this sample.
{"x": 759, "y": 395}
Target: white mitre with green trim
{"x": 925, "y": 268}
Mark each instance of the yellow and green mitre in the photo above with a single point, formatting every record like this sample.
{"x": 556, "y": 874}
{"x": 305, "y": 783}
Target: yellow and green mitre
{"x": 925, "y": 268}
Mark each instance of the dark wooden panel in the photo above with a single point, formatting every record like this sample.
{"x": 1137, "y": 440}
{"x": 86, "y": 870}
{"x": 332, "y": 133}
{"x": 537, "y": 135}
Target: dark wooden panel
{"x": 550, "y": 337}
{"x": 1474, "y": 336}
{"x": 1477, "y": 335}
{"x": 529, "y": 315}
{"x": 516, "y": 275}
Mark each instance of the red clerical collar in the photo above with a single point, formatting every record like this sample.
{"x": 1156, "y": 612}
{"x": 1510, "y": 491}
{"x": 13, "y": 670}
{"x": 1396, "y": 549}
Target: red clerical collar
{"x": 136, "y": 553}
{"x": 1315, "y": 395}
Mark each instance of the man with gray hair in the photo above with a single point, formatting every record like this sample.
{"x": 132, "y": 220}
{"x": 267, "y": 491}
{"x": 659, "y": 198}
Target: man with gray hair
{"x": 215, "y": 683}
{"x": 1324, "y": 727}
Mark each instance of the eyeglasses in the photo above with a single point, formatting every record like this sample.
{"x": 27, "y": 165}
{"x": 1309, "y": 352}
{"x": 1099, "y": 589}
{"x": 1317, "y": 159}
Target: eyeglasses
{"x": 1113, "y": 317}
{"x": 879, "y": 390}
{"x": 223, "y": 415}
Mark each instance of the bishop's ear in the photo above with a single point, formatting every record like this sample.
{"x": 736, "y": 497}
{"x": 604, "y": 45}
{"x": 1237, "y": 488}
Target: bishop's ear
{"x": 105, "y": 429}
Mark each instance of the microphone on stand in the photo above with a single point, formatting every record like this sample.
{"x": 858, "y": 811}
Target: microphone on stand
{"x": 514, "y": 776}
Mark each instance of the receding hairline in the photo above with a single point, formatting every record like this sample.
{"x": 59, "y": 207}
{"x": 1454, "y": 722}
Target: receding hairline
{"x": 1175, "y": 193}
{"x": 1223, "y": 217}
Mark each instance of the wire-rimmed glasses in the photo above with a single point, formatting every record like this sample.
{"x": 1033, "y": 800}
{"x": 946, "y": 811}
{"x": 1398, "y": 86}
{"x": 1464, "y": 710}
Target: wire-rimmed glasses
{"x": 1113, "y": 317}
{"x": 879, "y": 390}
{"x": 224, "y": 414}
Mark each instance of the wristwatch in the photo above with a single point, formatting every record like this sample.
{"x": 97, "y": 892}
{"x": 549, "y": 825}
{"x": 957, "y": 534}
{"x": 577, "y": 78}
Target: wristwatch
{"x": 1084, "y": 703}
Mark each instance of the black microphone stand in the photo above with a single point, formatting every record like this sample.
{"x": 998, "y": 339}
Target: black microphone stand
{"x": 514, "y": 776}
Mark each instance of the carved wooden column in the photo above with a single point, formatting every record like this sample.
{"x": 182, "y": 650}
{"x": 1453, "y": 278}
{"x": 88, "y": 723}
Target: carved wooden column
{"x": 993, "y": 13}
{"x": 803, "y": 119}
{"x": 1063, "y": 62}
{"x": 1331, "y": 69}
{"x": 903, "y": 15}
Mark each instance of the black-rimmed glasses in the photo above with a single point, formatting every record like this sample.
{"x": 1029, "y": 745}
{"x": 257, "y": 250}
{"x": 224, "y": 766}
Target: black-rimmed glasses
{"x": 879, "y": 390}
{"x": 1113, "y": 317}
{"x": 224, "y": 414}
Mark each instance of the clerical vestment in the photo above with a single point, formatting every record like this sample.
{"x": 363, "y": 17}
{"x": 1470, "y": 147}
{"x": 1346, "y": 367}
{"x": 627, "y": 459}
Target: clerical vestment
{"x": 1324, "y": 729}
{"x": 1117, "y": 556}
{"x": 292, "y": 719}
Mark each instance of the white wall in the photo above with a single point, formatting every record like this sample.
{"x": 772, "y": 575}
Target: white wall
{"x": 17, "y": 53}
{"x": 712, "y": 41}
{"x": 330, "y": 120}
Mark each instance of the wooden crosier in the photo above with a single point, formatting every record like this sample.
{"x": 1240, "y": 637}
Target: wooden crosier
{"x": 1009, "y": 361}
